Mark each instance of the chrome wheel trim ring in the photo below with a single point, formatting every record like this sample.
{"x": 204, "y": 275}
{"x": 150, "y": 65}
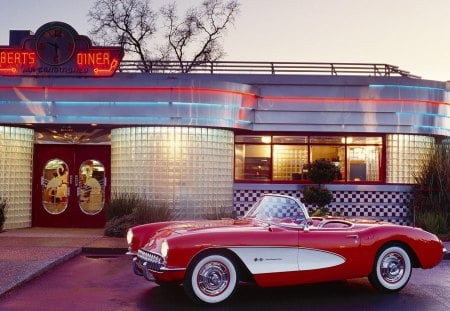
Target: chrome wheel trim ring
{"x": 392, "y": 267}
{"x": 220, "y": 272}
{"x": 213, "y": 278}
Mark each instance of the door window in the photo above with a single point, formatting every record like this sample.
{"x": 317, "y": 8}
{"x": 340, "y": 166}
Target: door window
{"x": 91, "y": 191}
{"x": 54, "y": 186}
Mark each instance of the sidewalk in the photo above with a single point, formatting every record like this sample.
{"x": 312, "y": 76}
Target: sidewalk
{"x": 27, "y": 253}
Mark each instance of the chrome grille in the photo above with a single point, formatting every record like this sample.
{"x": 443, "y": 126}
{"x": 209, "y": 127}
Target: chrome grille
{"x": 154, "y": 261}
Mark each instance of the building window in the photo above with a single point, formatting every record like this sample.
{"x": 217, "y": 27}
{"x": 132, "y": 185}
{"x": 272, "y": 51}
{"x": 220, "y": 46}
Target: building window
{"x": 331, "y": 148}
{"x": 364, "y": 158}
{"x": 289, "y": 162}
{"x": 91, "y": 195}
{"x": 54, "y": 191}
{"x": 253, "y": 158}
{"x": 286, "y": 158}
{"x": 405, "y": 155}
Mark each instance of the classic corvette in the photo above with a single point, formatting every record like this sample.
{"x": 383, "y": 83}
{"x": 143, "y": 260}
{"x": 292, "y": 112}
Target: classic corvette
{"x": 278, "y": 244}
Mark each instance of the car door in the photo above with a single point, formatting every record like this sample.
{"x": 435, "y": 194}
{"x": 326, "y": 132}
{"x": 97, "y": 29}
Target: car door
{"x": 330, "y": 253}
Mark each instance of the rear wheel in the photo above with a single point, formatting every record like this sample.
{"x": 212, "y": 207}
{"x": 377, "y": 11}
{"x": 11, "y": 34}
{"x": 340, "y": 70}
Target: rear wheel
{"x": 211, "y": 279}
{"x": 392, "y": 269}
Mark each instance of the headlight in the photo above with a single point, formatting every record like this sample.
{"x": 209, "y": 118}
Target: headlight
{"x": 164, "y": 248}
{"x": 129, "y": 236}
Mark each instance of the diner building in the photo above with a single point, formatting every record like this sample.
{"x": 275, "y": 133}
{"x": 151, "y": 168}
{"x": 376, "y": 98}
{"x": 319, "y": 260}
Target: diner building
{"x": 78, "y": 125}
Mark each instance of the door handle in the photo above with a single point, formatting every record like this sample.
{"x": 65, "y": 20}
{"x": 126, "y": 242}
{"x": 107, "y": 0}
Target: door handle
{"x": 352, "y": 236}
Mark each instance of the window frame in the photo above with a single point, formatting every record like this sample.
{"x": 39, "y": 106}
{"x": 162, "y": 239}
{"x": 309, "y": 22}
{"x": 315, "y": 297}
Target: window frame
{"x": 311, "y": 137}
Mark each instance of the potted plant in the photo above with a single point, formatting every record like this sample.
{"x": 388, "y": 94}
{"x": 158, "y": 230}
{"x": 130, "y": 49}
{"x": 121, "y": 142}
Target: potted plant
{"x": 320, "y": 172}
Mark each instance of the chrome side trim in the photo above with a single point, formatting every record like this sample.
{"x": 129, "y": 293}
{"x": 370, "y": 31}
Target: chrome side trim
{"x": 165, "y": 269}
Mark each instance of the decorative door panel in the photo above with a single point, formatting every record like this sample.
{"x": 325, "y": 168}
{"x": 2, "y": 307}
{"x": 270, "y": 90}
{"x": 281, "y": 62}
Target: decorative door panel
{"x": 70, "y": 185}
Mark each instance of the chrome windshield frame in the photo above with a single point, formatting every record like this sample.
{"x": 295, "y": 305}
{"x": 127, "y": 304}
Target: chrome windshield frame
{"x": 252, "y": 212}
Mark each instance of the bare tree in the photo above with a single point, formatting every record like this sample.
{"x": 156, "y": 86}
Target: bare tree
{"x": 197, "y": 36}
{"x": 130, "y": 23}
{"x": 190, "y": 40}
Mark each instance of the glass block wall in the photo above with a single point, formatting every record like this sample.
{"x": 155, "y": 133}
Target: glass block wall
{"x": 16, "y": 159}
{"x": 404, "y": 156}
{"x": 191, "y": 169}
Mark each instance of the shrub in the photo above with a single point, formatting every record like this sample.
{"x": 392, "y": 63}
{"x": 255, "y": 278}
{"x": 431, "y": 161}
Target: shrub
{"x": 128, "y": 210}
{"x": 118, "y": 226}
{"x": 431, "y": 194}
{"x": 3, "y": 208}
{"x": 122, "y": 204}
{"x": 320, "y": 171}
{"x": 432, "y": 222}
{"x": 317, "y": 196}
{"x": 152, "y": 211}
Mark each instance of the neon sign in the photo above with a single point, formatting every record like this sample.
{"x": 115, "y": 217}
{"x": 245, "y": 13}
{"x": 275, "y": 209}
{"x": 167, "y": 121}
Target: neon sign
{"x": 58, "y": 50}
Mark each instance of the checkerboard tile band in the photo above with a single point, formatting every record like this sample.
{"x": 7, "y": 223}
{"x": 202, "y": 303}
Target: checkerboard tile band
{"x": 387, "y": 206}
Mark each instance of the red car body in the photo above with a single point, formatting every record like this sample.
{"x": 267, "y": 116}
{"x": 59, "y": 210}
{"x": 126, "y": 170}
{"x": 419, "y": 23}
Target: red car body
{"x": 278, "y": 244}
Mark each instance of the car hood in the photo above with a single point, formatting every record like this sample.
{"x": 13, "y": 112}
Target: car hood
{"x": 184, "y": 228}
{"x": 191, "y": 226}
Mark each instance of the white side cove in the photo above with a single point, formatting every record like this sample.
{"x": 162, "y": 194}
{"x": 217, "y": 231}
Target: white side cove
{"x": 311, "y": 259}
{"x": 285, "y": 259}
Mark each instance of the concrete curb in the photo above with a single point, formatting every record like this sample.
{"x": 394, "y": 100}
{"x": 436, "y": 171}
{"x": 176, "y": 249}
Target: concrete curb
{"x": 103, "y": 251}
{"x": 32, "y": 275}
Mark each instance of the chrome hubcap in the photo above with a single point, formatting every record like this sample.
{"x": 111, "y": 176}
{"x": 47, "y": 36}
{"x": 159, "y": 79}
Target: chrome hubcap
{"x": 392, "y": 267}
{"x": 213, "y": 278}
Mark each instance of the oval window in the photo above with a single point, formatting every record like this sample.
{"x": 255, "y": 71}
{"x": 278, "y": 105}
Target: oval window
{"x": 91, "y": 194}
{"x": 54, "y": 187}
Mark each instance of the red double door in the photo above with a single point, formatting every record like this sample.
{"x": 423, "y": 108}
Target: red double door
{"x": 70, "y": 185}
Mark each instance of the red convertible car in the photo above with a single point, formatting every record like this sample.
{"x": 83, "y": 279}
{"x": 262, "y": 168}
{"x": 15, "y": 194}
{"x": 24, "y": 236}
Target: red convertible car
{"x": 278, "y": 244}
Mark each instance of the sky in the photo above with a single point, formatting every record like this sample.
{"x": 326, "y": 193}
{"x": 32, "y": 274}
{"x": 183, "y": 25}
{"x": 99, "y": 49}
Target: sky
{"x": 411, "y": 34}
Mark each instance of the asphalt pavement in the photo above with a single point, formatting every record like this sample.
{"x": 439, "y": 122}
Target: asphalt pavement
{"x": 27, "y": 253}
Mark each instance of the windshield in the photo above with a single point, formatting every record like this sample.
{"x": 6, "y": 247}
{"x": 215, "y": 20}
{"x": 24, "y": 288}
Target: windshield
{"x": 278, "y": 209}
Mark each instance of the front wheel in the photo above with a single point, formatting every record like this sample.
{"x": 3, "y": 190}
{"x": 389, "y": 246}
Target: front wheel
{"x": 392, "y": 269}
{"x": 211, "y": 279}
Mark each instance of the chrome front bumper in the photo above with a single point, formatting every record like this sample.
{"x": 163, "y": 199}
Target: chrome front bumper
{"x": 142, "y": 269}
{"x": 147, "y": 264}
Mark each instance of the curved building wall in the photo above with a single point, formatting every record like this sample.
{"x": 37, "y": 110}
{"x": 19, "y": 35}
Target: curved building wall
{"x": 409, "y": 114}
{"x": 131, "y": 99}
{"x": 347, "y": 104}
{"x": 16, "y": 145}
{"x": 190, "y": 169}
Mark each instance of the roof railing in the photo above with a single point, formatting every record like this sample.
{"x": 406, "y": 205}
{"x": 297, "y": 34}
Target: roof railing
{"x": 292, "y": 68}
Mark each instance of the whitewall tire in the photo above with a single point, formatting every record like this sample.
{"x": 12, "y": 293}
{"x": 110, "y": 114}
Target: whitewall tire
{"x": 211, "y": 279}
{"x": 392, "y": 269}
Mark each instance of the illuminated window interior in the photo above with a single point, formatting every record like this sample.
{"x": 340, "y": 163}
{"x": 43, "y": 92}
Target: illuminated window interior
{"x": 289, "y": 162}
{"x": 286, "y": 158}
